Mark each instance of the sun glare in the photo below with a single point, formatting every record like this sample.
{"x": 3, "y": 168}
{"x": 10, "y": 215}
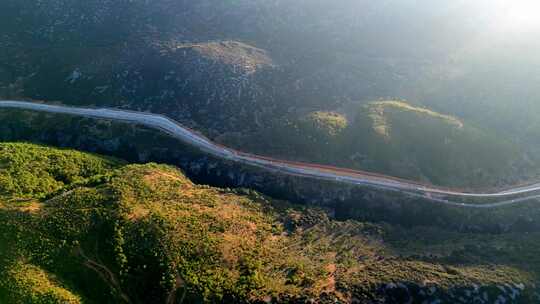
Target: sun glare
{"x": 520, "y": 15}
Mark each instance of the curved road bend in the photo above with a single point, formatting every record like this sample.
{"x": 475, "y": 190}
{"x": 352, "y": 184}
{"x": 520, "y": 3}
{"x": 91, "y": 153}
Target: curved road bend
{"x": 184, "y": 134}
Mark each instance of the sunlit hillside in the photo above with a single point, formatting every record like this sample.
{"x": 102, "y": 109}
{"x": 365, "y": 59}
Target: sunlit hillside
{"x": 147, "y": 234}
{"x": 399, "y": 139}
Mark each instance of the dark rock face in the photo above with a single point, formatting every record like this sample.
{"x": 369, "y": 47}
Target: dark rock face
{"x": 426, "y": 293}
{"x": 347, "y": 201}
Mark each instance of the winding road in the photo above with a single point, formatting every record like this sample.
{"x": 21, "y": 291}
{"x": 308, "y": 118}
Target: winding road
{"x": 173, "y": 128}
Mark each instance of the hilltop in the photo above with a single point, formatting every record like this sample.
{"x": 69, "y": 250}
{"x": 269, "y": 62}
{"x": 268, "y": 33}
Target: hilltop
{"x": 146, "y": 233}
{"x": 419, "y": 143}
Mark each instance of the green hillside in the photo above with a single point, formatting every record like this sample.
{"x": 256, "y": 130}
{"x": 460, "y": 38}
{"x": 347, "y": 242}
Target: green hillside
{"x": 30, "y": 171}
{"x": 117, "y": 233}
{"x": 399, "y": 139}
{"x": 404, "y": 140}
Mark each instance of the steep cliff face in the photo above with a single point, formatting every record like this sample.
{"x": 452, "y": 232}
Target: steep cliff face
{"x": 347, "y": 201}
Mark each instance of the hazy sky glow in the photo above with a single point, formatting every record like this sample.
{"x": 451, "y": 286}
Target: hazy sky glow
{"x": 519, "y": 15}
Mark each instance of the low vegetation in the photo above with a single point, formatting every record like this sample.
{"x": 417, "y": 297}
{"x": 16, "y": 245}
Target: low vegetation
{"x": 327, "y": 124}
{"x": 418, "y": 143}
{"x": 381, "y": 113}
{"x": 30, "y": 171}
{"x": 398, "y": 139}
{"x": 147, "y": 234}
{"x": 240, "y": 55}
{"x": 24, "y": 283}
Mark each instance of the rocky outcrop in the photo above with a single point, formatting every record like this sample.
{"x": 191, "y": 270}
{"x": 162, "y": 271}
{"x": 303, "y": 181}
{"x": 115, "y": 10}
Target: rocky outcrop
{"x": 431, "y": 294}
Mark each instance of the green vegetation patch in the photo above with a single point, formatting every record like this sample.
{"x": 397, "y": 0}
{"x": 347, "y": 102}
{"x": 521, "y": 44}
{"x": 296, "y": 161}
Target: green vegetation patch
{"x": 398, "y": 139}
{"x": 408, "y": 141}
{"x": 147, "y": 234}
{"x": 381, "y": 124}
{"x": 28, "y": 170}
{"x": 25, "y": 283}
{"x": 328, "y": 124}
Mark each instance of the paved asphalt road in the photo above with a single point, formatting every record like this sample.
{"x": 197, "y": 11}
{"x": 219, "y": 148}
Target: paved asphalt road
{"x": 431, "y": 193}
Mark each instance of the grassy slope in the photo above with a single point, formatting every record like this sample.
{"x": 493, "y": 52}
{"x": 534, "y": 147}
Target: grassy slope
{"x": 396, "y": 138}
{"x": 32, "y": 171}
{"x": 145, "y": 233}
{"x": 415, "y": 142}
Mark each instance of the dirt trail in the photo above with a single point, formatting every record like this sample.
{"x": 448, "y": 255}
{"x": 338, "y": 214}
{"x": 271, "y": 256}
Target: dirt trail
{"x": 105, "y": 273}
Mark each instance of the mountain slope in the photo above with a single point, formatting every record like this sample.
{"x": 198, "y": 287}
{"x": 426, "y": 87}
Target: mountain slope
{"x": 399, "y": 139}
{"x": 416, "y": 142}
{"x": 236, "y": 70}
{"x": 146, "y": 233}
